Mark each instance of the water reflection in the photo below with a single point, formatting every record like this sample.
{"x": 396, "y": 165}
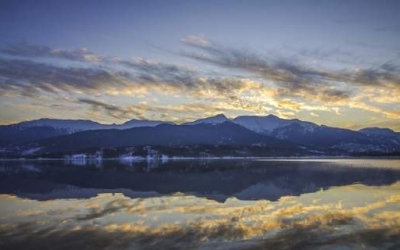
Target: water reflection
{"x": 263, "y": 204}
{"x": 214, "y": 179}
{"x": 350, "y": 217}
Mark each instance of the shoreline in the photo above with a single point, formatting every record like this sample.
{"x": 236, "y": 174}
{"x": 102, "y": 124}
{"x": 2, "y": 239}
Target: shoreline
{"x": 268, "y": 158}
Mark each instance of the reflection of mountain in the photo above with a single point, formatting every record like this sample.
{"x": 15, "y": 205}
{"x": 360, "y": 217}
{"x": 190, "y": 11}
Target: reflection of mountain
{"x": 339, "y": 218}
{"x": 217, "y": 180}
{"x": 261, "y": 191}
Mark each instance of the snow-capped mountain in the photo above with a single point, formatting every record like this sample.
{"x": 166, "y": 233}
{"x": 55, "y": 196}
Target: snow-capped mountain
{"x": 210, "y": 120}
{"x": 226, "y": 133}
{"x": 73, "y": 126}
{"x": 382, "y": 134}
{"x": 267, "y": 124}
{"x": 320, "y": 137}
{"x": 46, "y": 128}
{"x": 69, "y": 125}
{"x": 379, "y": 131}
{"x": 135, "y": 123}
{"x": 215, "y": 130}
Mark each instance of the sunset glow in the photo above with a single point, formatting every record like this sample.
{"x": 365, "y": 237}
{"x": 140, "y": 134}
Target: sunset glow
{"x": 329, "y": 62}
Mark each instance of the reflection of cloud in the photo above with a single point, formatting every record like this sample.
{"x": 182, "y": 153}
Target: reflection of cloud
{"x": 316, "y": 230}
{"x": 109, "y": 208}
{"x": 311, "y": 237}
{"x": 303, "y": 222}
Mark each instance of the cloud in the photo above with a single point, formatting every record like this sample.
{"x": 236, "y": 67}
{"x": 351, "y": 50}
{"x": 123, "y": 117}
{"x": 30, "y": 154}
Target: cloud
{"x": 294, "y": 79}
{"x": 38, "y": 51}
{"x": 29, "y": 77}
{"x": 324, "y": 54}
{"x": 140, "y": 77}
{"x": 287, "y": 104}
{"x": 392, "y": 114}
{"x": 148, "y": 73}
{"x": 196, "y": 41}
{"x": 386, "y": 75}
{"x": 291, "y": 79}
{"x": 118, "y": 112}
{"x": 176, "y": 113}
{"x": 272, "y": 84}
{"x": 184, "y": 78}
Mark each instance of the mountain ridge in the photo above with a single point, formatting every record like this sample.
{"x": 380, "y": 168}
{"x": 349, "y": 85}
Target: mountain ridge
{"x": 226, "y": 133}
{"x": 41, "y": 121}
{"x": 266, "y": 131}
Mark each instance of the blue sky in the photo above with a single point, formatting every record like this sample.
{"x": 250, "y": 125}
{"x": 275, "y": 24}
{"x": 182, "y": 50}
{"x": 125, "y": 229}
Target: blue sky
{"x": 330, "y": 62}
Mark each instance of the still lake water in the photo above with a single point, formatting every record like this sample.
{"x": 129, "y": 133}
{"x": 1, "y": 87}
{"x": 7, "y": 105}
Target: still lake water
{"x": 198, "y": 204}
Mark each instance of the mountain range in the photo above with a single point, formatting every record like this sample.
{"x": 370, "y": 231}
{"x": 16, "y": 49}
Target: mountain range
{"x": 271, "y": 133}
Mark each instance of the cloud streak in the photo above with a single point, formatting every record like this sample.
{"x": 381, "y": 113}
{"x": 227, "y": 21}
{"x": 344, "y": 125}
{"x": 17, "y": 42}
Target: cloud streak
{"x": 38, "y": 51}
{"x": 273, "y": 83}
{"x": 170, "y": 112}
{"x": 28, "y": 77}
{"x": 121, "y": 113}
{"x": 296, "y": 79}
{"x": 147, "y": 73}
{"x": 291, "y": 79}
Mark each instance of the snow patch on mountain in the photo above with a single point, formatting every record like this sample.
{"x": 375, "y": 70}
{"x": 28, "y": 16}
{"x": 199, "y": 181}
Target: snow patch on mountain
{"x": 379, "y": 131}
{"x": 357, "y": 147}
{"x": 260, "y": 124}
{"x": 134, "y": 123}
{"x": 209, "y": 120}
{"x": 72, "y": 126}
{"x": 267, "y": 124}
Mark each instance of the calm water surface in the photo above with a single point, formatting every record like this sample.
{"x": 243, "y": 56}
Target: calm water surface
{"x": 200, "y": 204}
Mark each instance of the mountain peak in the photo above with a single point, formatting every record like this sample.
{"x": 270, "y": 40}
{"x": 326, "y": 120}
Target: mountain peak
{"x": 56, "y": 123}
{"x": 272, "y": 116}
{"x": 260, "y": 124}
{"x": 217, "y": 119}
{"x": 378, "y": 131}
{"x": 219, "y": 116}
{"x": 135, "y": 121}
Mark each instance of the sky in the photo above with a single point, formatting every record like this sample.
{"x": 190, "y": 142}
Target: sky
{"x": 335, "y": 63}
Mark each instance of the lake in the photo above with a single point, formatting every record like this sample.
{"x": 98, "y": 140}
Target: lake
{"x": 201, "y": 204}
